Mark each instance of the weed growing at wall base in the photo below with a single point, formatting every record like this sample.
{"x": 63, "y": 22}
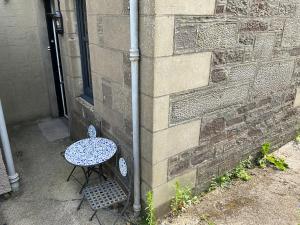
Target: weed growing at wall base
{"x": 150, "y": 211}
{"x": 182, "y": 199}
{"x": 239, "y": 172}
{"x": 297, "y": 138}
{"x": 270, "y": 159}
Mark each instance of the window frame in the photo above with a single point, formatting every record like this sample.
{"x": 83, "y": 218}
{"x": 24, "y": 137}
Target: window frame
{"x": 83, "y": 36}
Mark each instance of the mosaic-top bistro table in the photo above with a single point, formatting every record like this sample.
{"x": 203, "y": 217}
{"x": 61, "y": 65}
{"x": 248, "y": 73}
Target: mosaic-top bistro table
{"x": 90, "y": 153}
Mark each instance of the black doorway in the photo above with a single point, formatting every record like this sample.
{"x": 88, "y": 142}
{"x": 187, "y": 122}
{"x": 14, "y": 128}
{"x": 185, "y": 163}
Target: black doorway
{"x": 56, "y": 60}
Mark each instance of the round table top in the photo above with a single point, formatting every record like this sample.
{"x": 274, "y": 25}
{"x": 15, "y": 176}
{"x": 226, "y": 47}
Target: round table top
{"x": 90, "y": 151}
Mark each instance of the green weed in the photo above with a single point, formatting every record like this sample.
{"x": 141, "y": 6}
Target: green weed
{"x": 239, "y": 172}
{"x": 270, "y": 159}
{"x": 182, "y": 199}
{"x": 297, "y": 138}
{"x": 221, "y": 181}
{"x": 150, "y": 211}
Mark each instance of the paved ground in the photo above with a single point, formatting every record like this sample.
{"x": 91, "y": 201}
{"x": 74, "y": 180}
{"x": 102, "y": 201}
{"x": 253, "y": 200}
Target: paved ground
{"x": 270, "y": 198}
{"x": 45, "y": 198}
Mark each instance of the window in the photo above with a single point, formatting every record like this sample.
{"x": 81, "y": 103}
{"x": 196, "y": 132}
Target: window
{"x": 84, "y": 50}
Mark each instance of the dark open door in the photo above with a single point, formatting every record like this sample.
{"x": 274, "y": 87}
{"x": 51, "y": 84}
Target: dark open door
{"x": 56, "y": 60}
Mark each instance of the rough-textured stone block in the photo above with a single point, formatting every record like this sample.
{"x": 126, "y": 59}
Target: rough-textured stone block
{"x": 196, "y": 33}
{"x": 254, "y": 25}
{"x": 216, "y": 35}
{"x": 195, "y": 104}
{"x": 263, "y": 7}
{"x": 187, "y": 7}
{"x": 186, "y": 37}
{"x": 291, "y": 36}
{"x": 178, "y": 167}
{"x": 205, "y": 174}
{"x": 272, "y": 77}
{"x": 242, "y": 73}
{"x": 246, "y": 38}
{"x": 218, "y": 75}
{"x": 287, "y": 8}
{"x": 228, "y": 56}
{"x": 237, "y": 7}
{"x": 181, "y": 78}
{"x": 264, "y": 45}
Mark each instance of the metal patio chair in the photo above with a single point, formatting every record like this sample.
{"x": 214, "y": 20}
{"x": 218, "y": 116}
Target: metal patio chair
{"x": 109, "y": 192}
{"x": 91, "y": 133}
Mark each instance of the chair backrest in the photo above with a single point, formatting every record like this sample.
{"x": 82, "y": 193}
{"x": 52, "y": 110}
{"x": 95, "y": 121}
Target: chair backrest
{"x": 125, "y": 171}
{"x": 92, "y": 133}
{"x": 123, "y": 167}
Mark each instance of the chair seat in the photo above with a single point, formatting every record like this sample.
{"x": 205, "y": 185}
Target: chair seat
{"x": 105, "y": 194}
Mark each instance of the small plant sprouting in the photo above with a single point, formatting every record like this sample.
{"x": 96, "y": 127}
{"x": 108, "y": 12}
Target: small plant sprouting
{"x": 239, "y": 172}
{"x": 182, "y": 199}
{"x": 297, "y": 138}
{"x": 267, "y": 158}
{"x": 221, "y": 181}
{"x": 150, "y": 211}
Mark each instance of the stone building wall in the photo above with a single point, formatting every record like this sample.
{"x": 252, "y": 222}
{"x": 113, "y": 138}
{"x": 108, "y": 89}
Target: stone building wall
{"x": 225, "y": 79}
{"x": 26, "y": 78}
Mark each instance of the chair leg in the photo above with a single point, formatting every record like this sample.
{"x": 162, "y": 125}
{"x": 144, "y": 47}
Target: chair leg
{"x": 87, "y": 175}
{"x": 93, "y": 215}
{"x": 71, "y": 173}
{"x": 98, "y": 219}
{"x": 79, "y": 206}
{"x": 100, "y": 172}
{"x": 122, "y": 212}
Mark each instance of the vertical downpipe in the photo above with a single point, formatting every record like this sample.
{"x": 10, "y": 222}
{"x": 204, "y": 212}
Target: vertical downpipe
{"x": 134, "y": 58}
{"x": 12, "y": 175}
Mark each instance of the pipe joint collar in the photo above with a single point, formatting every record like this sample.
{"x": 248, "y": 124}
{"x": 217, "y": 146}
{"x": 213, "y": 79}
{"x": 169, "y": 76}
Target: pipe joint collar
{"x": 14, "y": 178}
{"x": 137, "y": 209}
{"x": 14, "y": 182}
{"x": 134, "y": 55}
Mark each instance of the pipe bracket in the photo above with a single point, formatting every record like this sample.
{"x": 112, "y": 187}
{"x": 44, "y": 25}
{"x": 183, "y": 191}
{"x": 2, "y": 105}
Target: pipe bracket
{"x": 134, "y": 55}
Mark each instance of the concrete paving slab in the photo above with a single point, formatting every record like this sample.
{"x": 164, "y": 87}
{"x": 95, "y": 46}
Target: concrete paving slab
{"x": 54, "y": 129}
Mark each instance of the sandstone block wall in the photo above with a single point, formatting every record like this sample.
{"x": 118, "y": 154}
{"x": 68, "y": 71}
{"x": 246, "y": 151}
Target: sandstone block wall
{"x": 26, "y": 78}
{"x": 227, "y": 84}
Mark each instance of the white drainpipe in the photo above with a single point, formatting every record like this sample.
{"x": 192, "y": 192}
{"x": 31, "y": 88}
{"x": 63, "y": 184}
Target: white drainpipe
{"x": 134, "y": 58}
{"x": 12, "y": 175}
